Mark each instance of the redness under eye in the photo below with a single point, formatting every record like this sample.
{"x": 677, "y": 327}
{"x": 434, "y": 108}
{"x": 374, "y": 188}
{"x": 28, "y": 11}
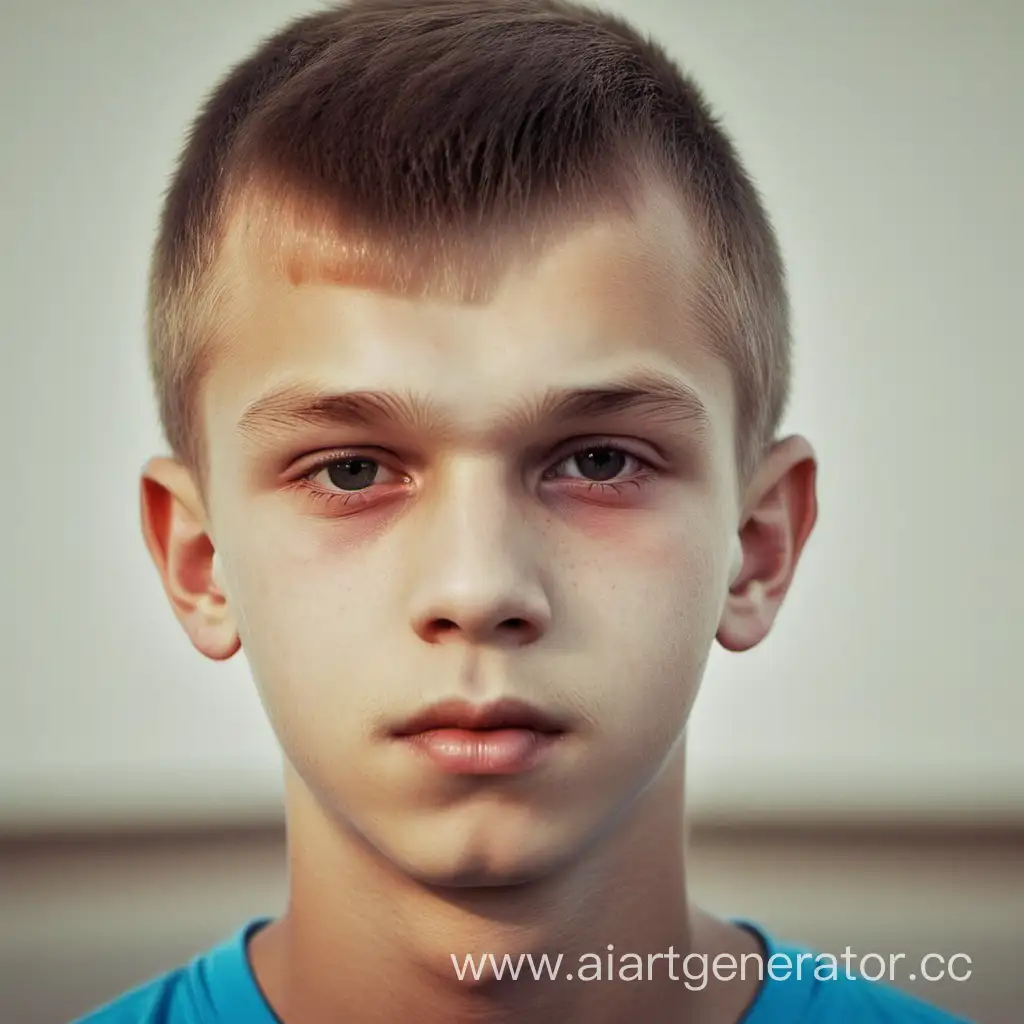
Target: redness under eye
{"x": 618, "y": 488}
{"x": 603, "y": 494}
{"x": 333, "y": 501}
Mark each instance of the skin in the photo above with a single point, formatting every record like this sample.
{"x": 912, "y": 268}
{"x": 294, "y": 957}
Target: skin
{"x": 481, "y": 562}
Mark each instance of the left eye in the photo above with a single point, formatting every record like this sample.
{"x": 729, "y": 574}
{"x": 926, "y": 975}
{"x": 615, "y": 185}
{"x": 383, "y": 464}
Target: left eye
{"x": 598, "y": 463}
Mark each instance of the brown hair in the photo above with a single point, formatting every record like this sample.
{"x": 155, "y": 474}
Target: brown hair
{"x": 416, "y": 126}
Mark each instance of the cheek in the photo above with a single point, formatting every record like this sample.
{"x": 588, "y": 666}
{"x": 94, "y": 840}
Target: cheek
{"x": 308, "y": 618}
{"x": 661, "y": 557}
{"x": 683, "y": 524}
{"x": 637, "y": 593}
{"x": 649, "y": 598}
{"x": 296, "y": 577}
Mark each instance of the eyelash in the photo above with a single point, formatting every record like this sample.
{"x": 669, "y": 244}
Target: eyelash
{"x": 331, "y": 498}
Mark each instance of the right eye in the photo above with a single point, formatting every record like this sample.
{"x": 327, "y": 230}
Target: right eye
{"x": 351, "y": 473}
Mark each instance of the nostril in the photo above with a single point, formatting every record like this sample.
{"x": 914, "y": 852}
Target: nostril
{"x": 514, "y": 628}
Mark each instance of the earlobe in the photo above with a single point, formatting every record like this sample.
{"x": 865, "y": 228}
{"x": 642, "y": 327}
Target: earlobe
{"x": 174, "y": 527}
{"x": 781, "y": 512}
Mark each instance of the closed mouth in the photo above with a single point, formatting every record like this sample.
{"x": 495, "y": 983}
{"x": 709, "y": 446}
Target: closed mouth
{"x": 462, "y": 715}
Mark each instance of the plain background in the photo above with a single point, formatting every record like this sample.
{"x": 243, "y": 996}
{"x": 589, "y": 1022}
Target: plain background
{"x": 885, "y": 138}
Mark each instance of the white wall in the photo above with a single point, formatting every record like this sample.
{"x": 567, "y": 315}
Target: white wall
{"x": 886, "y": 138}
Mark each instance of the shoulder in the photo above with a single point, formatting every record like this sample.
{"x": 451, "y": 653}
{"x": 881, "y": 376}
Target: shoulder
{"x": 158, "y": 1001}
{"x": 214, "y": 987}
{"x": 803, "y": 987}
{"x": 868, "y": 1001}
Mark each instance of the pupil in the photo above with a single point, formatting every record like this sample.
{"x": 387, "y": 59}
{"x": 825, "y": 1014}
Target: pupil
{"x": 352, "y": 474}
{"x": 606, "y": 463}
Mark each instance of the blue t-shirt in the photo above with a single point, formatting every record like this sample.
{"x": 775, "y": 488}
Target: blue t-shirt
{"x": 218, "y": 987}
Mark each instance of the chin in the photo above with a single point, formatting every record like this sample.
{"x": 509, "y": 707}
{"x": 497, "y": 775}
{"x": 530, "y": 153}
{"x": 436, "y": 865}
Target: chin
{"x": 479, "y": 875}
{"x": 479, "y": 857}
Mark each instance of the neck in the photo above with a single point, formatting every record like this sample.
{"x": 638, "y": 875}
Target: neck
{"x": 362, "y": 942}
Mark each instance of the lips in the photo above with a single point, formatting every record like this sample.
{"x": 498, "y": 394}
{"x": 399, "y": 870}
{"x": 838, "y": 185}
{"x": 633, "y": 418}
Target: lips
{"x": 501, "y": 738}
{"x": 502, "y": 714}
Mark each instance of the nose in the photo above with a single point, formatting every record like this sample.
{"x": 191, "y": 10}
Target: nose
{"x": 478, "y": 577}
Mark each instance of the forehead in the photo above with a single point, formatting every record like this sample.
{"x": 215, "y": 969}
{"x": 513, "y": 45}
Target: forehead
{"x": 478, "y": 327}
{"x": 276, "y": 234}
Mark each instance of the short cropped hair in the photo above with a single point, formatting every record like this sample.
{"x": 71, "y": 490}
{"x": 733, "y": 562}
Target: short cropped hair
{"x": 414, "y": 129}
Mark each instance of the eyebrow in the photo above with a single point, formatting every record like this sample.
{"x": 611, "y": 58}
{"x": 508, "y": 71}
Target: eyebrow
{"x": 654, "y": 393}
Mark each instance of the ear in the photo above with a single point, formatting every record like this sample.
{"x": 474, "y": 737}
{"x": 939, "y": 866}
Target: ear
{"x": 780, "y": 512}
{"x": 173, "y": 524}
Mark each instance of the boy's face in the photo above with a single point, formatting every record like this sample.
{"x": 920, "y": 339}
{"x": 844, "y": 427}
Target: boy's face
{"x": 581, "y": 565}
